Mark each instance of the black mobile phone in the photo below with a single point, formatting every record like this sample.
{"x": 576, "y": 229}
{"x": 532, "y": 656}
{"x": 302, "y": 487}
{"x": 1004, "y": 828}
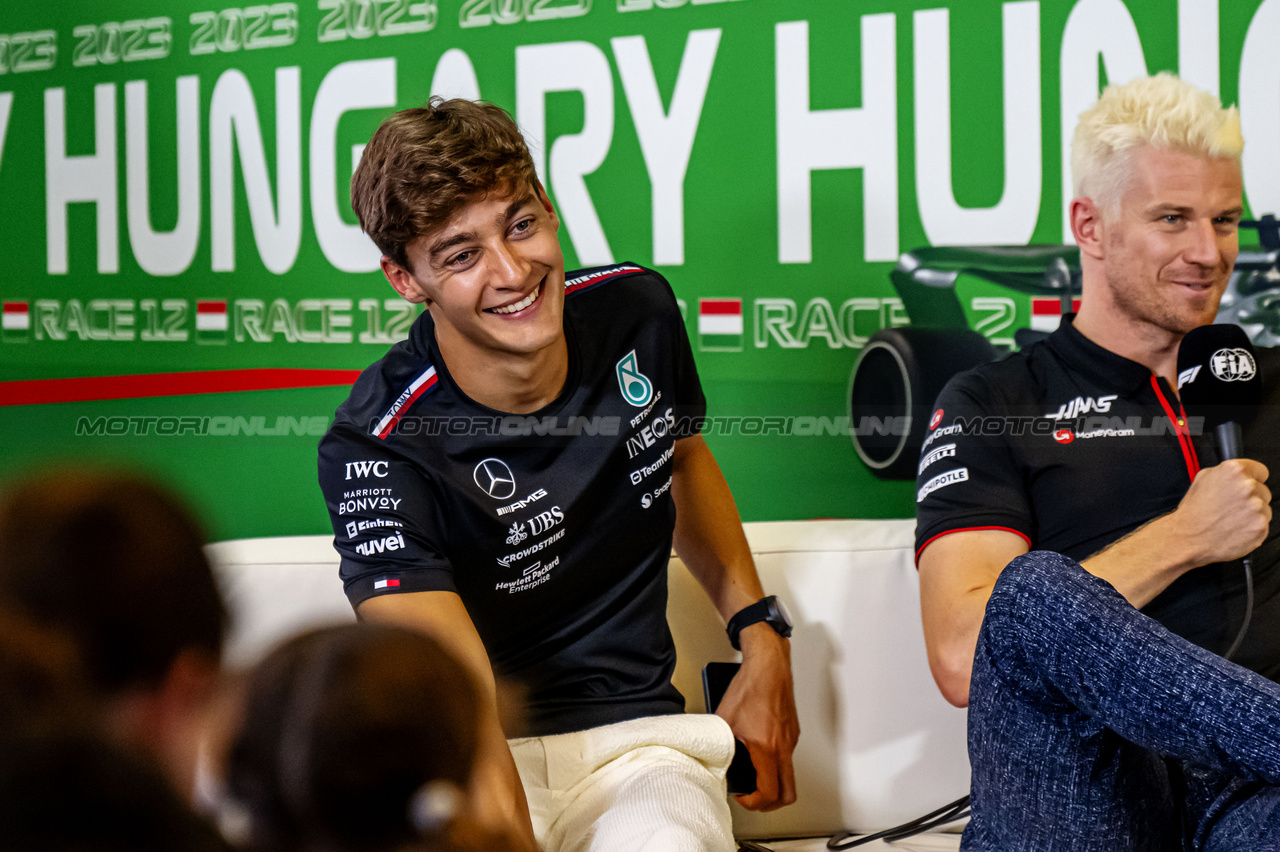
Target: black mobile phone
{"x": 741, "y": 776}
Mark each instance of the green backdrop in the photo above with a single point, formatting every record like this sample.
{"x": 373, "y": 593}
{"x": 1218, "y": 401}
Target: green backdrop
{"x": 172, "y": 200}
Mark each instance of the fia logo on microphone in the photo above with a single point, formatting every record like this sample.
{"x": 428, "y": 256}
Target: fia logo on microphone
{"x": 1233, "y": 365}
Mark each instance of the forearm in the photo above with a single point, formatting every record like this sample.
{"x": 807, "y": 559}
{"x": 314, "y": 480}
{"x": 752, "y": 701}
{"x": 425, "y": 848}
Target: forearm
{"x": 498, "y": 793}
{"x": 708, "y": 533}
{"x": 1142, "y": 564}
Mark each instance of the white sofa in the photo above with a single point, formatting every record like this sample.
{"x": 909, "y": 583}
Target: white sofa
{"x": 879, "y": 745}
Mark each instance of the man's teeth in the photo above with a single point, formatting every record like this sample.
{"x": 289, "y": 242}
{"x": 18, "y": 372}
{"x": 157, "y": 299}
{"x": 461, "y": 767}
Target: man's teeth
{"x": 520, "y": 305}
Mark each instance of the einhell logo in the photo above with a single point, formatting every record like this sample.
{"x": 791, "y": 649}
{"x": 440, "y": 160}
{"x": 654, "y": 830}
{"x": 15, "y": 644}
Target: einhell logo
{"x": 1064, "y": 436}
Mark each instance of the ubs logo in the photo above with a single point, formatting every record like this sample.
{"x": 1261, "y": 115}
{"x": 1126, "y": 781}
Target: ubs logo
{"x": 493, "y": 477}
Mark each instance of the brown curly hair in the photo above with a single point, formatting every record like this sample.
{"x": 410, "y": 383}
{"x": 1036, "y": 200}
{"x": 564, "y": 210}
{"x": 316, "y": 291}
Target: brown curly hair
{"x": 425, "y": 164}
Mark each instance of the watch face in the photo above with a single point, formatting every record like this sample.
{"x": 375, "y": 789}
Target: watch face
{"x": 780, "y": 612}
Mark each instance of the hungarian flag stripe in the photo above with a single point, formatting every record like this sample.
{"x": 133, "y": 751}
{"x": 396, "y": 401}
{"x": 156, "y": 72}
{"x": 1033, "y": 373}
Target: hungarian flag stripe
{"x": 1046, "y": 312}
{"x": 211, "y": 315}
{"x": 16, "y": 316}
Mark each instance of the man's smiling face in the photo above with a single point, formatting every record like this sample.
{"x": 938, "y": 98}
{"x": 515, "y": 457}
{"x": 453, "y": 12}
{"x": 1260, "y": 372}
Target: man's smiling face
{"x": 492, "y": 278}
{"x": 1171, "y": 249}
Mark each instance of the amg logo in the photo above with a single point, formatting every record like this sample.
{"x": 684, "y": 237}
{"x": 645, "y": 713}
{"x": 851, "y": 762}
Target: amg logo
{"x": 370, "y": 548}
{"x": 1082, "y": 405}
{"x": 520, "y": 504}
{"x": 362, "y": 469}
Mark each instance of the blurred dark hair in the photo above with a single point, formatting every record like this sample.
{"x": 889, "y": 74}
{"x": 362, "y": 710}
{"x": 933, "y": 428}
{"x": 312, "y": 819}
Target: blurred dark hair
{"x": 71, "y": 789}
{"x": 116, "y": 563}
{"x": 64, "y": 785}
{"x": 341, "y": 727}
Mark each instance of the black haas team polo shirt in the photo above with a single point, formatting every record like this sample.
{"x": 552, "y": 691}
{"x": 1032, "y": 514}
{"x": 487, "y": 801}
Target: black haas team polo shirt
{"x": 554, "y": 527}
{"x": 1071, "y": 447}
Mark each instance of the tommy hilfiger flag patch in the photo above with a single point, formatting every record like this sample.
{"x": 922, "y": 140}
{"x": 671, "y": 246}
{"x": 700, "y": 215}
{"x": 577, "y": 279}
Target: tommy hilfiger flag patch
{"x": 16, "y": 322}
{"x": 720, "y": 325}
{"x": 386, "y": 583}
{"x": 211, "y": 321}
{"x": 1046, "y": 312}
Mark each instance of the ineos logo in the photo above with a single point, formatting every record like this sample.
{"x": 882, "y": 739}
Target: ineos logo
{"x": 493, "y": 477}
{"x": 1233, "y": 365}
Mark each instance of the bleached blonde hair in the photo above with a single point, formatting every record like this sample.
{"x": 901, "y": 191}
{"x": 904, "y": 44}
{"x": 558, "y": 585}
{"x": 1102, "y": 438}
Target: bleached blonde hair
{"x": 1161, "y": 111}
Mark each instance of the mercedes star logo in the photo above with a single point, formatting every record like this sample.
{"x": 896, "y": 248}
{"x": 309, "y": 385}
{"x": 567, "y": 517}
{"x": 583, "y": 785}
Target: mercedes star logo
{"x": 494, "y": 478}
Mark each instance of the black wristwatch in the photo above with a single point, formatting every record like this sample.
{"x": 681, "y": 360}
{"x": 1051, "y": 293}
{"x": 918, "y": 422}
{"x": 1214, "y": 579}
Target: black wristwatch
{"x": 769, "y": 610}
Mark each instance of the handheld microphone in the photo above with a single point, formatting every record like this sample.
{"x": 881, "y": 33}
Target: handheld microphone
{"x": 1218, "y": 379}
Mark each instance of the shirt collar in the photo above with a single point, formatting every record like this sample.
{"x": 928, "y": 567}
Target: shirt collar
{"x": 1102, "y": 365}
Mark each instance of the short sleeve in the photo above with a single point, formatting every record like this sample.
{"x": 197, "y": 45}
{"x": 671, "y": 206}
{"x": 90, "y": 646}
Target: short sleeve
{"x": 387, "y": 519}
{"x": 969, "y": 477}
{"x": 691, "y": 402}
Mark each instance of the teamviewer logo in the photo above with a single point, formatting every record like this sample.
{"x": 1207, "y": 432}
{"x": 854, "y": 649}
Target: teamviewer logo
{"x": 493, "y": 477}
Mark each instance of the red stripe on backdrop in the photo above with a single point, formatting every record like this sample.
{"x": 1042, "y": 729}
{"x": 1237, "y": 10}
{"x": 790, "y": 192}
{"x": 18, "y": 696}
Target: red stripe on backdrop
{"x": 15, "y": 307}
{"x": 95, "y": 388}
{"x": 720, "y": 306}
{"x": 207, "y": 307}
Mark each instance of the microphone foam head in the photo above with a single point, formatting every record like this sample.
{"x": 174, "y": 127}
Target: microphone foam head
{"x": 1218, "y": 376}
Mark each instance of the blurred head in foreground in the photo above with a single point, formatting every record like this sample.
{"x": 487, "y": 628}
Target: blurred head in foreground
{"x": 359, "y": 737}
{"x": 115, "y": 565}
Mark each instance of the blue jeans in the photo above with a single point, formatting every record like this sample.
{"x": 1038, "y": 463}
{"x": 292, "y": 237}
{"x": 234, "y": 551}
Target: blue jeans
{"x": 1091, "y": 727}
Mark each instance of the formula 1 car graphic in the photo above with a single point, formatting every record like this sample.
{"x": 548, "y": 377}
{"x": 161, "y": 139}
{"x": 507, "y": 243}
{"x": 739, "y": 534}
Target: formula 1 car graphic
{"x": 901, "y": 371}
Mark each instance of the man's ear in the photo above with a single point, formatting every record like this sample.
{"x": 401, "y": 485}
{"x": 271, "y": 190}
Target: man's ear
{"x": 1087, "y": 226}
{"x": 402, "y": 281}
{"x": 546, "y": 203}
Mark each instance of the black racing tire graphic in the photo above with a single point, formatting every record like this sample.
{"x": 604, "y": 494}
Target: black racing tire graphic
{"x": 894, "y": 384}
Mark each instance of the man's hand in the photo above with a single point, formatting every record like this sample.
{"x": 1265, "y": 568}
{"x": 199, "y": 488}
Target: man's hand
{"x": 1226, "y": 513}
{"x": 760, "y": 707}
{"x": 760, "y": 704}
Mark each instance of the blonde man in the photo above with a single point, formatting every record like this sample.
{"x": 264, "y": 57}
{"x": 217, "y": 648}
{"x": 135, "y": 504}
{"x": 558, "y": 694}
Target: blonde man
{"x": 1073, "y": 695}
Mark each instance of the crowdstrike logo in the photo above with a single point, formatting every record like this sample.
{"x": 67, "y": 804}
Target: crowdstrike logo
{"x": 493, "y": 477}
{"x": 1233, "y": 365}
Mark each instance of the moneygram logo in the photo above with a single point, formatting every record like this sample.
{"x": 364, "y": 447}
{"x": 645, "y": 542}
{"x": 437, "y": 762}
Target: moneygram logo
{"x": 1064, "y": 436}
{"x": 935, "y": 419}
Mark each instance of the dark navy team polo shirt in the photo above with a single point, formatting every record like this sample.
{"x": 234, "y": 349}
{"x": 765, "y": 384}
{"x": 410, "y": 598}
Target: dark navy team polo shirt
{"x": 554, "y": 527}
{"x": 1071, "y": 447}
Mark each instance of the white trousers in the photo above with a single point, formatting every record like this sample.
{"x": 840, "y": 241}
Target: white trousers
{"x": 647, "y": 785}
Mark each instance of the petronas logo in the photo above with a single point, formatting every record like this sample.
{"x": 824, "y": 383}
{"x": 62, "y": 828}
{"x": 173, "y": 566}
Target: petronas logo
{"x": 636, "y": 387}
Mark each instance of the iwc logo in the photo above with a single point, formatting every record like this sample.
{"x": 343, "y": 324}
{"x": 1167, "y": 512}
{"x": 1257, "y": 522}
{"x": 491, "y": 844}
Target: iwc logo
{"x": 493, "y": 477}
{"x": 636, "y": 387}
{"x": 1233, "y": 365}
